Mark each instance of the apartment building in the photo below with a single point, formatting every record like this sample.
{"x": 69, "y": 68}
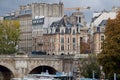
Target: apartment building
{"x": 64, "y": 36}
{"x": 98, "y": 24}
{"x": 45, "y": 28}
{"x": 33, "y": 19}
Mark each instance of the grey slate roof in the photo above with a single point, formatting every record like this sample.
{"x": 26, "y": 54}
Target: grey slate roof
{"x": 65, "y": 22}
{"x": 103, "y": 23}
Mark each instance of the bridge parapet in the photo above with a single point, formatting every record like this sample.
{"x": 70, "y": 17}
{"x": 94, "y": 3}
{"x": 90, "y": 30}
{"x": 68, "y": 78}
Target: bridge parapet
{"x": 81, "y": 56}
{"x": 46, "y": 56}
{"x": 6, "y": 56}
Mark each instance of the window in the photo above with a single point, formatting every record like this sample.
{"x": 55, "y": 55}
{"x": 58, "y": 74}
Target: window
{"x": 68, "y": 40}
{"x": 103, "y": 29}
{"x": 62, "y": 40}
{"x": 73, "y": 46}
{"x": 98, "y": 29}
{"x": 62, "y": 31}
{"x": 68, "y": 47}
{"x": 102, "y": 38}
{"x": 73, "y": 40}
{"x": 79, "y": 19}
{"x": 76, "y": 18}
{"x": 81, "y": 39}
{"x": 62, "y": 47}
{"x": 77, "y": 30}
{"x": 73, "y": 31}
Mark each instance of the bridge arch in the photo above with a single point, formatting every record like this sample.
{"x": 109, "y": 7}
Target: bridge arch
{"x": 43, "y": 68}
{"x": 7, "y": 65}
{"x": 6, "y": 71}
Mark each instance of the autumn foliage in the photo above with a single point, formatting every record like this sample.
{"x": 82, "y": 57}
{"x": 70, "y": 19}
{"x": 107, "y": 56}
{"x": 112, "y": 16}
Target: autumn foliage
{"x": 109, "y": 58}
{"x": 84, "y": 47}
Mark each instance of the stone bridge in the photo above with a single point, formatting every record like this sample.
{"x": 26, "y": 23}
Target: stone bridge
{"x": 21, "y": 65}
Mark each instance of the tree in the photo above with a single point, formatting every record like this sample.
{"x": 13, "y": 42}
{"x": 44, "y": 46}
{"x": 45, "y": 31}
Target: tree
{"x": 9, "y": 36}
{"x": 109, "y": 58}
{"x": 85, "y": 47}
{"x": 90, "y": 65}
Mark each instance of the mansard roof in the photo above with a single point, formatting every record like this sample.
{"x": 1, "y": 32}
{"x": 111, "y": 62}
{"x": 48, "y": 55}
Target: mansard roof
{"x": 65, "y": 21}
{"x": 103, "y": 23}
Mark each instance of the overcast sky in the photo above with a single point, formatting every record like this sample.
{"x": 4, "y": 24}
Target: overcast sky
{"x": 7, "y": 6}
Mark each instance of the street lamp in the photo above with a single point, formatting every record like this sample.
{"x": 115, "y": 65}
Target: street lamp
{"x": 102, "y": 73}
{"x": 114, "y": 76}
{"x": 93, "y": 73}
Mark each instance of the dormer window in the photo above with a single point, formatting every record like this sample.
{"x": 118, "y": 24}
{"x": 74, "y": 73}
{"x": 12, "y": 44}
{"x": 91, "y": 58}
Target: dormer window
{"x": 62, "y": 31}
{"x": 98, "y": 29}
{"x": 102, "y": 37}
{"x": 79, "y": 19}
{"x": 73, "y": 31}
{"x": 103, "y": 29}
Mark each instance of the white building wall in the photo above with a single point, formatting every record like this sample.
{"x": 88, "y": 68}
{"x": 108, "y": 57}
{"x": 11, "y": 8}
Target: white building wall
{"x": 37, "y": 29}
{"x": 1, "y": 18}
{"x": 97, "y": 19}
{"x": 49, "y": 20}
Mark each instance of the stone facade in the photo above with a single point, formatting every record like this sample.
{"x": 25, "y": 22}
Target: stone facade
{"x": 63, "y": 36}
{"x": 29, "y": 17}
{"x": 40, "y": 22}
{"x": 21, "y": 65}
{"x": 25, "y": 33}
{"x": 98, "y": 40}
{"x": 47, "y": 10}
{"x": 58, "y": 44}
{"x": 20, "y": 68}
{"x": 98, "y": 27}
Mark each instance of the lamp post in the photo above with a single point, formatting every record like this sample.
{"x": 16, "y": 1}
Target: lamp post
{"x": 102, "y": 72}
{"x": 93, "y": 73}
{"x": 114, "y": 76}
